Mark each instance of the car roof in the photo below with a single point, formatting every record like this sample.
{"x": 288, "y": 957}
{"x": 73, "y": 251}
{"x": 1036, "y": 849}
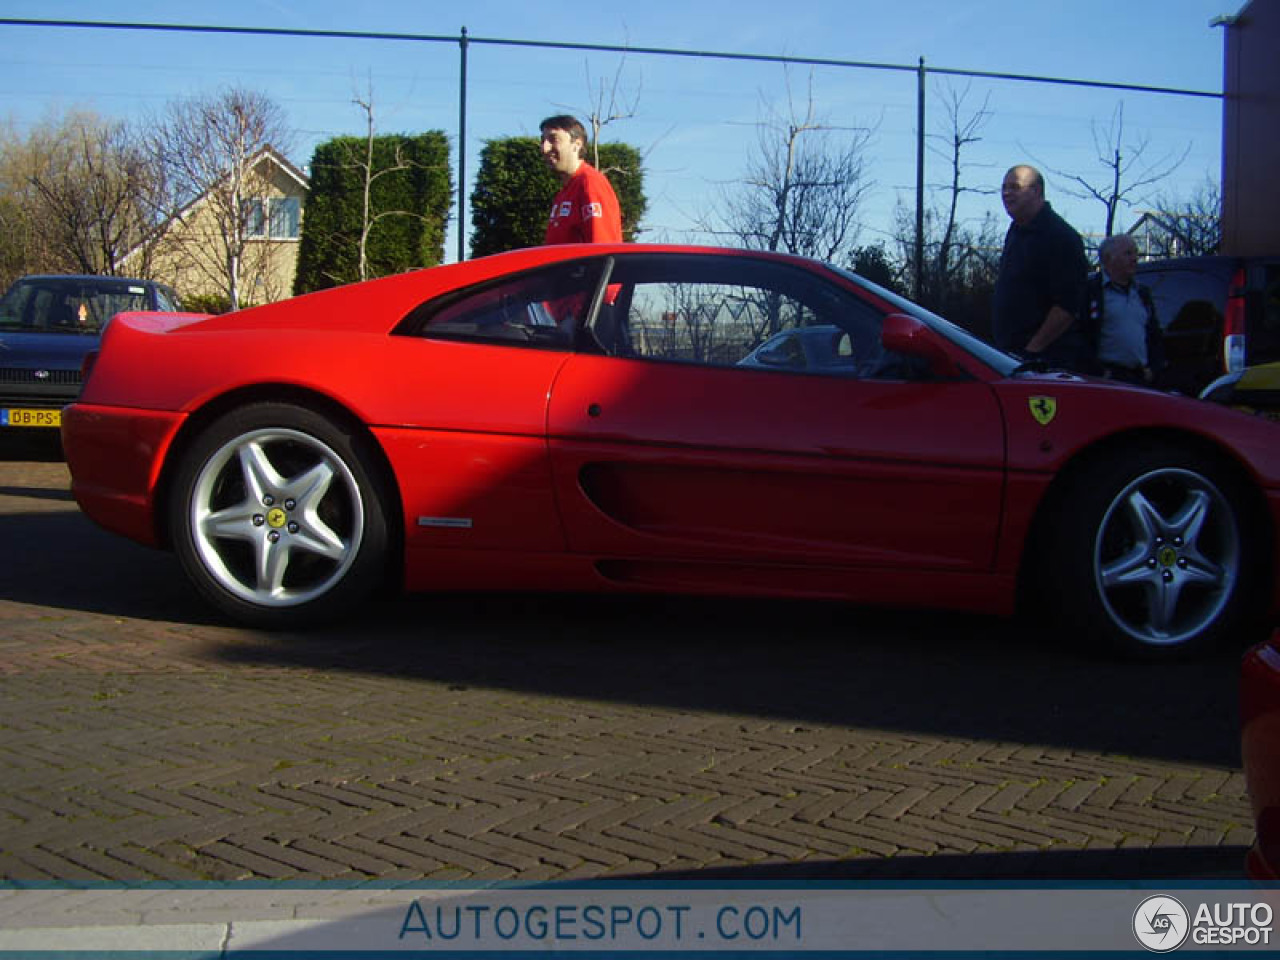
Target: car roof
{"x": 52, "y": 278}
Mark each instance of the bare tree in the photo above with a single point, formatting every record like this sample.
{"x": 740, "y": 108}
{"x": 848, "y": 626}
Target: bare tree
{"x": 610, "y": 102}
{"x": 963, "y": 131}
{"x": 1184, "y": 227}
{"x": 209, "y": 147}
{"x": 378, "y": 204}
{"x": 81, "y": 190}
{"x": 1127, "y": 172}
{"x": 803, "y": 188}
{"x": 961, "y": 258}
{"x": 370, "y": 174}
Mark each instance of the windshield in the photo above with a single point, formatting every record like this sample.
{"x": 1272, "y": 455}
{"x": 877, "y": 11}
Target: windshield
{"x": 60, "y": 306}
{"x": 988, "y": 354}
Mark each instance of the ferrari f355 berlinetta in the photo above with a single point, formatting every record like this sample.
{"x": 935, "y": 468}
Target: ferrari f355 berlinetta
{"x": 581, "y": 418}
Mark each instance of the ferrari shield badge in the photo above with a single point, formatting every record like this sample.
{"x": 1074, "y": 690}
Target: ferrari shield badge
{"x": 1043, "y": 409}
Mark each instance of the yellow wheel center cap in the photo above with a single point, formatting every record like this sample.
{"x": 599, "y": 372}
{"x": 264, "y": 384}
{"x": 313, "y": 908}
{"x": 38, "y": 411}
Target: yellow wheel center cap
{"x": 276, "y": 518}
{"x": 1167, "y": 557}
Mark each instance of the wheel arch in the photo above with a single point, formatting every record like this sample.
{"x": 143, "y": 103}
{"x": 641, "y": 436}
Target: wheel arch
{"x": 320, "y": 403}
{"x": 1255, "y": 506}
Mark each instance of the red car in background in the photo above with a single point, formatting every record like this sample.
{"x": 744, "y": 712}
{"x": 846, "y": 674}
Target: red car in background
{"x": 1260, "y": 748}
{"x": 581, "y": 418}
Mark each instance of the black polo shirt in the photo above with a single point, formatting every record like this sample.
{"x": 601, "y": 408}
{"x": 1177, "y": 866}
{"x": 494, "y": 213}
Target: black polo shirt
{"x": 1043, "y": 265}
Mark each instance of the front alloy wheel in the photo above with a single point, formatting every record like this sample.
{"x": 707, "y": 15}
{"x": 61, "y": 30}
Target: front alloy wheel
{"x": 1150, "y": 553}
{"x": 1167, "y": 557}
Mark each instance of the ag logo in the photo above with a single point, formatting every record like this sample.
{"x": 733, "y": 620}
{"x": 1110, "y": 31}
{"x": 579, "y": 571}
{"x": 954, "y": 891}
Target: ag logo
{"x": 1043, "y": 409}
{"x": 1161, "y": 923}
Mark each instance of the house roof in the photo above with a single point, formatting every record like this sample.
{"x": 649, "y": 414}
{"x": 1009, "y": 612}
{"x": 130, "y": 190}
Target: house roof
{"x": 283, "y": 163}
{"x": 267, "y": 153}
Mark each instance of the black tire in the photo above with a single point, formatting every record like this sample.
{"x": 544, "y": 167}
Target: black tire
{"x": 1151, "y": 554}
{"x": 280, "y": 516}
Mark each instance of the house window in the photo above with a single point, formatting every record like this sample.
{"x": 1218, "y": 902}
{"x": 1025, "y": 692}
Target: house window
{"x": 255, "y": 219}
{"x": 280, "y": 215}
{"x": 285, "y": 214}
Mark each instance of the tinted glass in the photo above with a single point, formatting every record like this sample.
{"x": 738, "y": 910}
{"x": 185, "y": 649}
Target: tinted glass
{"x": 1187, "y": 296}
{"x": 545, "y": 308}
{"x": 725, "y": 311}
{"x": 63, "y": 306}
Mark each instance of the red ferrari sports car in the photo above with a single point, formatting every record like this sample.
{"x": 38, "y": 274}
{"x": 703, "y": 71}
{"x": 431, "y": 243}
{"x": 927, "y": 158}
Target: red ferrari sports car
{"x": 578, "y": 418}
{"x": 1260, "y": 748}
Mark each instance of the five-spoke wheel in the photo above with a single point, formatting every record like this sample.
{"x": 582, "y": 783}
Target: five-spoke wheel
{"x": 277, "y": 515}
{"x": 1151, "y": 552}
{"x": 1167, "y": 556}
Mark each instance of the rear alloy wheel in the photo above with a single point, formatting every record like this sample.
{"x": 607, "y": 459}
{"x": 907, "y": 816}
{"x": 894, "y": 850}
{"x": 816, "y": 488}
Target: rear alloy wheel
{"x": 278, "y": 516}
{"x": 1150, "y": 554}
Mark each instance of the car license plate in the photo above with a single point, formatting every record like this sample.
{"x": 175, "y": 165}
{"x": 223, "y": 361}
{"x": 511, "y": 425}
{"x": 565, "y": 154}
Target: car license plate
{"x": 22, "y": 417}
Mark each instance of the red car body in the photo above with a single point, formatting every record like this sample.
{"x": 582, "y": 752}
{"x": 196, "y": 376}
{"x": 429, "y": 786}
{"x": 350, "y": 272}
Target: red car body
{"x": 947, "y": 480}
{"x": 1260, "y": 749}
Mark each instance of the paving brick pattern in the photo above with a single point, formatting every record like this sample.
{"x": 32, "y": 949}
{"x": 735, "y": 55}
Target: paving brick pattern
{"x": 499, "y": 738}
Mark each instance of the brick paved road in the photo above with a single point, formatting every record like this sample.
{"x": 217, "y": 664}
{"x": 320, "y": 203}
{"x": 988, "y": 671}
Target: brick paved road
{"x": 501, "y": 737}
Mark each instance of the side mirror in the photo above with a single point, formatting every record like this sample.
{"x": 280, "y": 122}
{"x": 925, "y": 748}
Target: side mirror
{"x": 911, "y": 337}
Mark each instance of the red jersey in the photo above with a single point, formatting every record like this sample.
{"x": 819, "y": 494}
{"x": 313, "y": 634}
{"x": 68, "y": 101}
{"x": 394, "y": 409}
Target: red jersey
{"x": 585, "y": 210}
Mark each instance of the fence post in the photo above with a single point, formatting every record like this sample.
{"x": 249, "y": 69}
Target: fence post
{"x": 462, "y": 147}
{"x": 918, "y": 290}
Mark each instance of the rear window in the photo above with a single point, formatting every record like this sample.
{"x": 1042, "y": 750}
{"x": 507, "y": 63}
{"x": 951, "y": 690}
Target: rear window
{"x": 1185, "y": 297}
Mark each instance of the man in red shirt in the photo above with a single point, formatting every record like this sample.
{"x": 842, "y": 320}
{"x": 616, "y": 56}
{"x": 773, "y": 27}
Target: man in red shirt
{"x": 586, "y": 208}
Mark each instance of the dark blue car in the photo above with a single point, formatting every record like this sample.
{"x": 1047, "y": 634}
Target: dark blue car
{"x": 47, "y": 325}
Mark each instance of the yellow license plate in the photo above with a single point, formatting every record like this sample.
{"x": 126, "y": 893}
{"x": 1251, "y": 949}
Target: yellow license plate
{"x": 20, "y": 417}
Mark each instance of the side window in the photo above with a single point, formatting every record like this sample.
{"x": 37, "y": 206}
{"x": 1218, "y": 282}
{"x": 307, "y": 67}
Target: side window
{"x": 544, "y": 308}
{"x": 729, "y": 311}
{"x": 707, "y": 322}
{"x": 165, "y": 302}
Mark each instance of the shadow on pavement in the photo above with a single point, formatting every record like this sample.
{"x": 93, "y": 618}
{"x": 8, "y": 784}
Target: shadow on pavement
{"x": 65, "y": 562}
{"x": 38, "y": 493}
{"x": 938, "y": 674}
{"x": 40, "y": 446}
{"x": 1161, "y": 863}
{"x": 804, "y": 662}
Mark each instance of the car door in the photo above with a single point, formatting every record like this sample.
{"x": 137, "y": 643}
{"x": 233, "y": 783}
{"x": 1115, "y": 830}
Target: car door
{"x": 462, "y": 415}
{"x": 672, "y": 450}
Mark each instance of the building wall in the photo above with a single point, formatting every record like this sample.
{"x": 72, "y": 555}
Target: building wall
{"x": 191, "y": 254}
{"x": 1251, "y": 132}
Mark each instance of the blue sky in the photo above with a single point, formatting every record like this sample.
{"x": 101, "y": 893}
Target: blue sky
{"x": 694, "y": 119}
